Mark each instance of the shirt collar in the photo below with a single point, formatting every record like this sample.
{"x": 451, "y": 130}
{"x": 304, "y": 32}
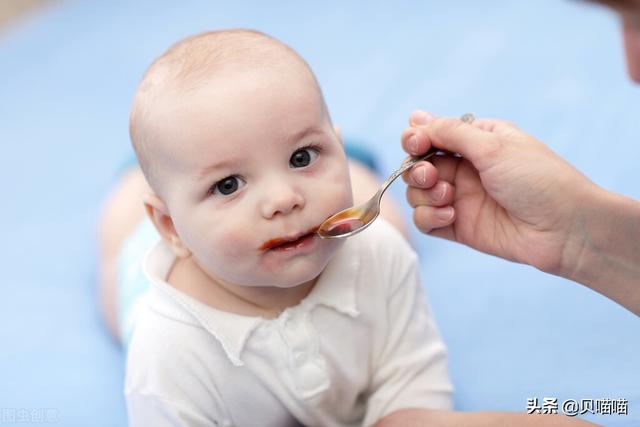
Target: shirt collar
{"x": 337, "y": 285}
{"x": 336, "y": 288}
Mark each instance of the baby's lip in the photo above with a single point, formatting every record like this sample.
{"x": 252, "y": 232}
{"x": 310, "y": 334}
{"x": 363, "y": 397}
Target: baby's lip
{"x": 278, "y": 241}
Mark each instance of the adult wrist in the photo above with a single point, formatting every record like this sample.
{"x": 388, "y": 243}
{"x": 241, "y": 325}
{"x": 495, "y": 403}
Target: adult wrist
{"x": 603, "y": 248}
{"x": 585, "y": 203}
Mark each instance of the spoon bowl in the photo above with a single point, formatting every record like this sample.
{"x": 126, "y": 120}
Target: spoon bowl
{"x": 355, "y": 219}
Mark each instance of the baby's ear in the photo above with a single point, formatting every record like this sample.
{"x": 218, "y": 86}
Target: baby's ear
{"x": 159, "y": 215}
{"x": 338, "y": 133}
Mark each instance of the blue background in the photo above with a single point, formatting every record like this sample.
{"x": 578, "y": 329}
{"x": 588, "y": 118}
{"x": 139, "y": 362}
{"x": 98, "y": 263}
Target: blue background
{"x": 554, "y": 67}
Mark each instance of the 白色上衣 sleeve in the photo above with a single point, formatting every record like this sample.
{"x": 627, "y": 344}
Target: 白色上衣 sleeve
{"x": 410, "y": 370}
{"x": 167, "y": 382}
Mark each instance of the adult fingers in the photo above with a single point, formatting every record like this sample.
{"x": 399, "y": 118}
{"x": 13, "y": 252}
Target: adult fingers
{"x": 429, "y": 219}
{"x": 413, "y": 142}
{"x": 423, "y": 174}
{"x": 454, "y": 135}
{"x": 441, "y": 194}
{"x": 436, "y": 168}
{"x": 498, "y": 126}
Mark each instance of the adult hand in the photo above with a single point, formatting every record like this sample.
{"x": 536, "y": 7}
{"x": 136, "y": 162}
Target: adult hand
{"x": 508, "y": 195}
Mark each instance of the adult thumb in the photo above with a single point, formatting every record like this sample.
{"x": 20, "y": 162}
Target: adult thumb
{"x": 454, "y": 135}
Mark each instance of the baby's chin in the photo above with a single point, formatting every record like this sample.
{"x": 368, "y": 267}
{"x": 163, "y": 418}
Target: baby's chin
{"x": 300, "y": 274}
{"x": 279, "y": 282}
{"x": 288, "y": 281}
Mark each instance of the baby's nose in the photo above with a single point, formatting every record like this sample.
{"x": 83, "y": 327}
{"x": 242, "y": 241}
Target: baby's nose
{"x": 281, "y": 200}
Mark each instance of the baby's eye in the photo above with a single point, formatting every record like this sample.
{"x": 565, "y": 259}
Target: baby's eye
{"x": 303, "y": 157}
{"x": 228, "y": 185}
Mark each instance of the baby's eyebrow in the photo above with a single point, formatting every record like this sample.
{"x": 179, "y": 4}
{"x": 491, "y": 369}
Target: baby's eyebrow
{"x": 226, "y": 163}
{"x": 312, "y": 130}
{"x": 206, "y": 171}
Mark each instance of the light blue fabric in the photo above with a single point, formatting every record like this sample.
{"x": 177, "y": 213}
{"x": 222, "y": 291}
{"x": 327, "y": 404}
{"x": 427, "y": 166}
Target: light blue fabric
{"x": 554, "y": 67}
{"x": 132, "y": 283}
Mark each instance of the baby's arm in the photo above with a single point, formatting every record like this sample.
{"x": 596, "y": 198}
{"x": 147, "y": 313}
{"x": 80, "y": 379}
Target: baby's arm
{"x": 410, "y": 386}
{"x": 434, "y": 418}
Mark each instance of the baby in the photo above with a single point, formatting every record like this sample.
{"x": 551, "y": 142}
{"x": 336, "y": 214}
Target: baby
{"x": 251, "y": 319}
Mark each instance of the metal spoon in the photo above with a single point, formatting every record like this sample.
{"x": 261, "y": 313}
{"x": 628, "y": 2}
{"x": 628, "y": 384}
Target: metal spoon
{"x": 355, "y": 219}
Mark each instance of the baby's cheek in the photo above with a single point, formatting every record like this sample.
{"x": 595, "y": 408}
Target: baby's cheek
{"x": 236, "y": 243}
{"x": 338, "y": 189}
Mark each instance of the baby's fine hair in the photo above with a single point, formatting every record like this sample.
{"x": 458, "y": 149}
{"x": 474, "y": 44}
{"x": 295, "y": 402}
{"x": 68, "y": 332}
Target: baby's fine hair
{"x": 189, "y": 64}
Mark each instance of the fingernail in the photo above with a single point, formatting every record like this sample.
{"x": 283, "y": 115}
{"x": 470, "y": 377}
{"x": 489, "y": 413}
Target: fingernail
{"x": 444, "y": 214}
{"x": 413, "y": 144}
{"x": 440, "y": 191}
{"x": 420, "y": 175}
{"x": 420, "y": 117}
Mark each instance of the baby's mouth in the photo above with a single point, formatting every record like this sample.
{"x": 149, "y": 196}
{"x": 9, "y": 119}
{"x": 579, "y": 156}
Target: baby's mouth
{"x": 288, "y": 243}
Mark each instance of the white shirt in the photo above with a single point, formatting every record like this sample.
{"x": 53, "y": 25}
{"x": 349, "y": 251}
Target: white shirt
{"x": 360, "y": 346}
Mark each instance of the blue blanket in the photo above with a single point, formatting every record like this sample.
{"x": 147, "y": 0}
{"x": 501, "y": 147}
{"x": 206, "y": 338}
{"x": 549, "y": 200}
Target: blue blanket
{"x": 67, "y": 75}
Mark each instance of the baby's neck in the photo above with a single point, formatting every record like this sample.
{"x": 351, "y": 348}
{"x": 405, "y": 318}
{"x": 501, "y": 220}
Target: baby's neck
{"x": 267, "y": 302}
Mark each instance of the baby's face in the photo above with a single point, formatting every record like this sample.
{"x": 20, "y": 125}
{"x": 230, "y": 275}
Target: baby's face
{"x": 254, "y": 166}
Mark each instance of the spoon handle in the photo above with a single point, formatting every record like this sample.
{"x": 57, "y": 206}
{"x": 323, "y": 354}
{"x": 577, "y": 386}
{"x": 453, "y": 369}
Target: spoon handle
{"x": 406, "y": 164}
{"x": 412, "y": 160}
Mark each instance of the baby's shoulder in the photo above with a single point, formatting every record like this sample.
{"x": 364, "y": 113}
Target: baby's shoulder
{"x": 165, "y": 334}
{"x": 170, "y": 368}
{"x": 169, "y": 353}
{"x": 155, "y": 334}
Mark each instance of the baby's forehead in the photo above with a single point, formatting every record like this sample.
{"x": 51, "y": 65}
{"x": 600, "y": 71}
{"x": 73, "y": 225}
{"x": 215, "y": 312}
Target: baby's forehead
{"x": 196, "y": 60}
{"x": 195, "y": 66}
{"x": 191, "y": 67}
